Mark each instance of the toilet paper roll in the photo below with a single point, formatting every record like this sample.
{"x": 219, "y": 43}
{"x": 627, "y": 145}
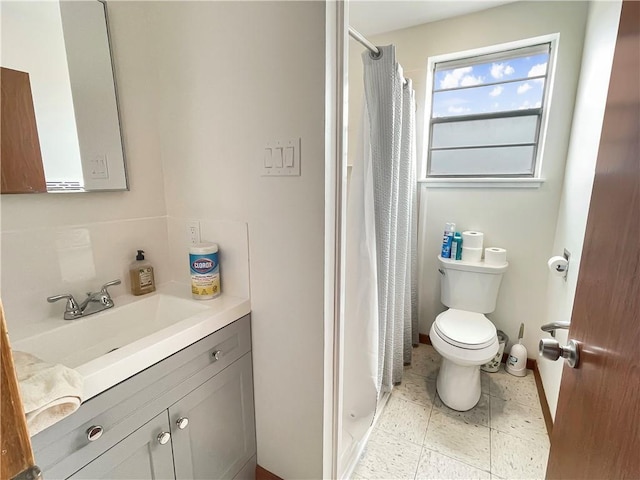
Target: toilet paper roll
{"x": 471, "y": 254}
{"x": 558, "y": 265}
{"x": 495, "y": 256}
{"x": 471, "y": 239}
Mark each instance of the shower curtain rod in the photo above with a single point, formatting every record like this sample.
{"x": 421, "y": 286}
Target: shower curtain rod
{"x": 358, "y": 37}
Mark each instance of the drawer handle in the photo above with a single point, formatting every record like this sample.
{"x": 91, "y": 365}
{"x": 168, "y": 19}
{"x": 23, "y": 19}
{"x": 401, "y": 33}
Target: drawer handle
{"x": 94, "y": 432}
{"x": 182, "y": 423}
{"x": 163, "y": 438}
{"x": 216, "y": 355}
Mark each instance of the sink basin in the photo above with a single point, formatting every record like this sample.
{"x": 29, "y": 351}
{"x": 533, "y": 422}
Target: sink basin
{"x": 85, "y": 339}
{"x": 110, "y": 346}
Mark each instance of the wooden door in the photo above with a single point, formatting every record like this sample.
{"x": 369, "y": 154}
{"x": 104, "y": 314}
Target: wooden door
{"x": 219, "y": 438}
{"x": 140, "y": 456}
{"x": 17, "y": 454}
{"x": 21, "y": 166}
{"x": 597, "y": 429}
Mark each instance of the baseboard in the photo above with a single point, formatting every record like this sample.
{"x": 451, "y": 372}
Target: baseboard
{"x": 546, "y": 411}
{"x": 264, "y": 474}
{"x": 424, "y": 338}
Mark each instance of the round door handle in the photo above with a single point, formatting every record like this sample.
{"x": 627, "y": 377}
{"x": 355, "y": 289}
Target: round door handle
{"x": 216, "y": 355}
{"x": 163, "y": 438}
{"x": 94, "y": 432}
{"x": 182, "y": 423}
{"x": 551, "y": 349}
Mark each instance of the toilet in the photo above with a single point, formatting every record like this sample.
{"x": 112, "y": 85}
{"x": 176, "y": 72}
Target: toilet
{"x": 462, "y": 335}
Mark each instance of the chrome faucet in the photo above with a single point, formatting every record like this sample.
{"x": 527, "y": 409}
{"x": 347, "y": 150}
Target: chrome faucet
{"x": 94, "y": 303}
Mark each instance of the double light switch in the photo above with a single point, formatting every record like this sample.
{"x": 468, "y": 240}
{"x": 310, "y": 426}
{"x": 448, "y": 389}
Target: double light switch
{"x": 281, "y": 159}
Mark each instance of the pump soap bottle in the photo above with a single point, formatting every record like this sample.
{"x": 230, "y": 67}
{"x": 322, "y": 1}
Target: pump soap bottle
{"x": 141, "y": 275}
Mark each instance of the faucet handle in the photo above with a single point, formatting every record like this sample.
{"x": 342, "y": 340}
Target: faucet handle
{"x": 104, "y": 290}
{"x": 104, "y": 287}
{"x": 72, "y": 310}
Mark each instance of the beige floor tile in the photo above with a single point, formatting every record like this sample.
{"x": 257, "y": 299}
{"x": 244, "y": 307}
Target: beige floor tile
{"x": 455, "y": 438}
{"x": 425, "y": 361}
{"x": 434, "y": 465}
{"x": 406, "y": 420}
{"x": 516, "y": 418}
{"x": 514, "y": 457}
{"x": 478, "y": 414}
{"x": 417, "y": 389}
{"x": 388, "y": 457}
{"x": 508, "y": 387}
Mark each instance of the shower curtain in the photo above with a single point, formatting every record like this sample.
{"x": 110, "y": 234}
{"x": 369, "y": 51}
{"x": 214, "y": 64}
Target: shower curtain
{"x": 381, "y": 269}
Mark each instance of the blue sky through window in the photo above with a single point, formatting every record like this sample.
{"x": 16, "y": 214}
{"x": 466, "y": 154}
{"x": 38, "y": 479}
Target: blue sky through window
{"x": 449, "y": 100}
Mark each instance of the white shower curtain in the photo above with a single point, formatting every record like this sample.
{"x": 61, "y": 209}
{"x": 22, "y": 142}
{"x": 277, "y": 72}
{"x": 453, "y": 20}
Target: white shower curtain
{"x": 381, "y": 271}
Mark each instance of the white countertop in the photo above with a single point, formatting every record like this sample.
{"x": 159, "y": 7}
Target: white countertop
{"x": 85, "y": 344}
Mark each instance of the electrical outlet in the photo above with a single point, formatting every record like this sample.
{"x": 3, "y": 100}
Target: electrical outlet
{"x": 193, "y": 232}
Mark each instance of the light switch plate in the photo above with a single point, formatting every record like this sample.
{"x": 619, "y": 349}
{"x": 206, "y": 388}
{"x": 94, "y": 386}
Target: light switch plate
{"x": 288, "y": 158}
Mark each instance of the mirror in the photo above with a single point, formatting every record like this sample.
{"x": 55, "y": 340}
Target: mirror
{"x": 60, "y": 124}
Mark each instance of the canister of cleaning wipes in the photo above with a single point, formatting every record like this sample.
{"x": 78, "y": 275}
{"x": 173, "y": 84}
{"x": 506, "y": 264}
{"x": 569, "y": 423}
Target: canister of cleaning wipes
{"x": 205, "y": 271}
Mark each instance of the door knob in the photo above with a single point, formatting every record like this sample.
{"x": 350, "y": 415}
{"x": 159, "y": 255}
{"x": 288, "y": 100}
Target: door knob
{"x": 182, "y": 423}
{"x": 163, "y": 438}
{"x": 551, "y": 349}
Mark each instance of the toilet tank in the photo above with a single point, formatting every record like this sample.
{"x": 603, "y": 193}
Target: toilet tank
{"x": 469, "y": 285}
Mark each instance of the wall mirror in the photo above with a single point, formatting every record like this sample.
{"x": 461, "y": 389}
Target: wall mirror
{"x": 60, "y": 124}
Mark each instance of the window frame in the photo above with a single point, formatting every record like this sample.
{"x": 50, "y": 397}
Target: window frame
{"x": 503, "y": 180}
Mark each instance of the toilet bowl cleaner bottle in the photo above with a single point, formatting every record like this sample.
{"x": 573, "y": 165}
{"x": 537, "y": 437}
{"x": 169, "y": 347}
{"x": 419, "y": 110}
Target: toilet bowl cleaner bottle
{"x": 517, "y": 361}
{"x": 447, "y": 240}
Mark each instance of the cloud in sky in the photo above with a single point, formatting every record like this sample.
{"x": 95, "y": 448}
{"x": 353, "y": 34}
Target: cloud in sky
{"x": 524, "y": 88}
{"x": 497, "y": 90}
{"x": 537, "y": 70}
{"x": 460, "y": 77}
{"x": 499, "y": 70}
{"x": 458, "y": 110}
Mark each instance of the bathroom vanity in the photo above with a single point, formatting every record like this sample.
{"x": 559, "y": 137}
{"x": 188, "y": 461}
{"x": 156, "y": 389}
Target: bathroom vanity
{"x": 190, "y": 415}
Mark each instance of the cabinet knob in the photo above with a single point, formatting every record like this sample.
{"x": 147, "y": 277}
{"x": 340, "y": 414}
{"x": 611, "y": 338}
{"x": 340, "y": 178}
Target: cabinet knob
{"x": 216, "y": 354}
{"x": 94, "y": 432}
{"x": 182, "y": 423}
{"x": 163, "y": 438}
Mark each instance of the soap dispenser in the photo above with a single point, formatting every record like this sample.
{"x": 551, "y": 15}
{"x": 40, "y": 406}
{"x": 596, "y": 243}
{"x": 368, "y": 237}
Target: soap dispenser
{"x": 141, "y": 275}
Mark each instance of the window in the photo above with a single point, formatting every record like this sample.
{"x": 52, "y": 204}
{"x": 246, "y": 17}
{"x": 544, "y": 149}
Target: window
{"x": 487, "y": 113}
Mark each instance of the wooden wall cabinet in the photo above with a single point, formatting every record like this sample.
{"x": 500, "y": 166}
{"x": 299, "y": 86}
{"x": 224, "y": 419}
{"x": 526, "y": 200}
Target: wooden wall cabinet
{"x": 21, "y": 166}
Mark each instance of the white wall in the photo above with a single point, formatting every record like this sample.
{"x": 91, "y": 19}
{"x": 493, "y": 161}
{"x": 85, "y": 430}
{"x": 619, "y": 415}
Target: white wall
{"x": 521, "y": 220}
{"x": 232, "y": 79}
{"x": 72, "y": 243}
{"x": 599, "y": 45}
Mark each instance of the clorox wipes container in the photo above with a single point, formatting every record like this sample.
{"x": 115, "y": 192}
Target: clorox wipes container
{"x": 205, "y": 271}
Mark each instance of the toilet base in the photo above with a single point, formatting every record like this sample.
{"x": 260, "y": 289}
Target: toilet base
{"x": 459, "y": 385}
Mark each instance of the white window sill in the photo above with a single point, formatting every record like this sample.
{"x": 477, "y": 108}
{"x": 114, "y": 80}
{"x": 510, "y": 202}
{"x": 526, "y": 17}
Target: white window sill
{"x": 482, "y": 182}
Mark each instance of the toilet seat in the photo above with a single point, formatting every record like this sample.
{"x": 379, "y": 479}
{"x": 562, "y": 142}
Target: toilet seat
{"x": 464, "y": 329}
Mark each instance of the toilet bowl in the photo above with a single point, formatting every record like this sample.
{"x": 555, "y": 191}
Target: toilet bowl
{"x": 465, "y": 340}
{"x": 462, "y": 335}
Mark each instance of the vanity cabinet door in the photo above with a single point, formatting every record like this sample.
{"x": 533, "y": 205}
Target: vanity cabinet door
{"x": 139, "y": 456}
{"x": 218, "y": 437}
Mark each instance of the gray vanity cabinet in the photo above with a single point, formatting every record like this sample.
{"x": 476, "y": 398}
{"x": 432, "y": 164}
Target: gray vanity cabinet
{"x": 218, "y": 435}
{"x": 139, "y": 456}
{"x": 190, "y": 416}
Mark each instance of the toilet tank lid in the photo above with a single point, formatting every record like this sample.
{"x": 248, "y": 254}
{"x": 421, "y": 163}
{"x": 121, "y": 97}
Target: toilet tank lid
{"x": 466, "y": 328}
{"x": 479, "y": 267}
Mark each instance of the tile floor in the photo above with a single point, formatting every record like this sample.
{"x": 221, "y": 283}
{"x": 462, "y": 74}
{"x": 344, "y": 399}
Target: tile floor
{"x": 417, "y": 437}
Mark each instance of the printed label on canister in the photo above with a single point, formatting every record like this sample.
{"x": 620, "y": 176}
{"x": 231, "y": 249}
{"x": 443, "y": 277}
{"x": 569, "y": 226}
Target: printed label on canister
{"x": 205, "y": 275}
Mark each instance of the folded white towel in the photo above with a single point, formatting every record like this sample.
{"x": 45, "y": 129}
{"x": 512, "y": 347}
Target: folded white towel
{"x": 49, "y": 392}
